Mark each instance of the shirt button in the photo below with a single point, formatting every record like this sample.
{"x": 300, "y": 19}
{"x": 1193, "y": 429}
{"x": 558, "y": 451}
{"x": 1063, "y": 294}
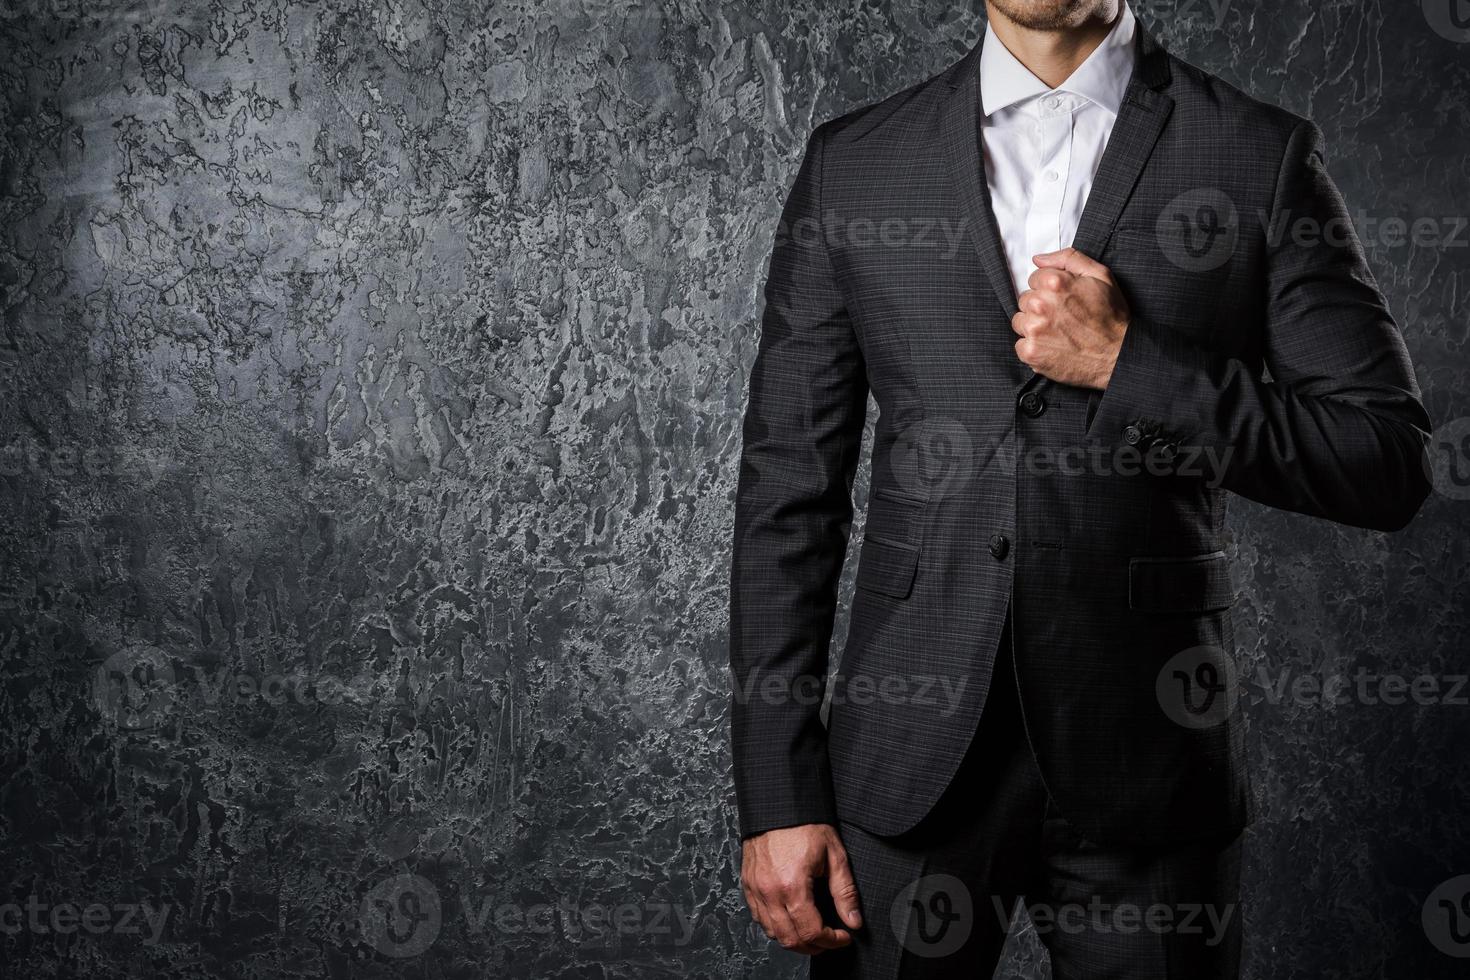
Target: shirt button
{"x": 1000, "y": 545}
{"x": 1051, "y": 175}
{"x": 1132, "y": 435}
{"x": 1032, "y": 404}
{"x": 1051, "y": 102}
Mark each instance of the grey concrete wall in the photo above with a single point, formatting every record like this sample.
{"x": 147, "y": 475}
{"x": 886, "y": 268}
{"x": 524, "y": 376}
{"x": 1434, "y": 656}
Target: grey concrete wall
{"x": 370, "y": 384}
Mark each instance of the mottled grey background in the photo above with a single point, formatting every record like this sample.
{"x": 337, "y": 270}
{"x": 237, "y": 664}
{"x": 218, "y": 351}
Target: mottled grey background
{"x": 370, "y": 386}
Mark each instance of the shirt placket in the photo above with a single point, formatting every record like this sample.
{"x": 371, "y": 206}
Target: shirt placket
{"x": 1053, "y": 129}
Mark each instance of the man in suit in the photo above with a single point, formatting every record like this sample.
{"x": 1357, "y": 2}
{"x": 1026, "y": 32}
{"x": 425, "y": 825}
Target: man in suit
{"x": 1154, "y": 296}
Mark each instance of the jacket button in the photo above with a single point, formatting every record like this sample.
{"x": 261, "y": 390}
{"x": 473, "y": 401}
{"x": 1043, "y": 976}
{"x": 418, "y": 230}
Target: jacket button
{"x": 1032, "y": 404}
{"x": 1167, "y": 451}
{"x": 1000, "y": 545}
{"x": 1133, "y": 435}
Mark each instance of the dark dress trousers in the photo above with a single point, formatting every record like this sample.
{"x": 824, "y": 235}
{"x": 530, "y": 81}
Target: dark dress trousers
{"x": 1260, "y": 360}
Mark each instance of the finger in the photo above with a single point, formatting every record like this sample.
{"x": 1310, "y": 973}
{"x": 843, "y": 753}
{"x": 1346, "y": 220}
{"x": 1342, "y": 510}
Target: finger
{"x": 1073, "y": 261}
{"x": 1049, "y": 279}
{"x": 757, "y": 910}
{"x": 1027, "y": 324}
{"x": 1026, "y": 351}
{"x": 775, "y": 920}
{"x": 783, "y": 929}
{"x": 843, "y": 887}
{"x": 811, "y": 935}
{"x": 1032, "y": 301}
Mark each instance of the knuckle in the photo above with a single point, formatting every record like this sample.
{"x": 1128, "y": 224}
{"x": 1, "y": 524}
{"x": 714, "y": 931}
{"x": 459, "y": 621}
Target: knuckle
{"x": 789, "y": 882}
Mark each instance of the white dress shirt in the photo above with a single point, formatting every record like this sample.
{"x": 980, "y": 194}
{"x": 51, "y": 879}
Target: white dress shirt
{"x": 1043, "y": 145}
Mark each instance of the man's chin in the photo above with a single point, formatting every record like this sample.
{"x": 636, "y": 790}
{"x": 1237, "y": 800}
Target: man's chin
{"x": 1046, "y": 15}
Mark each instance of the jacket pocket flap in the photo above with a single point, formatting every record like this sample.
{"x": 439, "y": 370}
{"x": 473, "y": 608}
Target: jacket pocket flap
{"x": 887, "y": 566}
{"x": 1194, "y": 584}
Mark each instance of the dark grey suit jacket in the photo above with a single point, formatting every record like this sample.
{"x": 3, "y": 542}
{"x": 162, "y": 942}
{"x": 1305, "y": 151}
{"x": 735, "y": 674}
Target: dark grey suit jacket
{"x": 1260, "y": 360}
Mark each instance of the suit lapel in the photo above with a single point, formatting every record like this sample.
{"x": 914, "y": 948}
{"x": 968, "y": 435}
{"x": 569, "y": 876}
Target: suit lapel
{"x": 1140, "y": 120}
{"x": 961, "y": 137}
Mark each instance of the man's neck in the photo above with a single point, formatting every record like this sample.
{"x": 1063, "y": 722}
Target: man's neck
{"x": 1052, "y": 55}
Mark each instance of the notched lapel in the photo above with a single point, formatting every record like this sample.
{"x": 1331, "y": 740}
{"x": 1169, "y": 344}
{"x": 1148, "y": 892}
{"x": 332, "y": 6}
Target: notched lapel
{"x": 1140, "y": 120}
{"x": 961, "y": 138}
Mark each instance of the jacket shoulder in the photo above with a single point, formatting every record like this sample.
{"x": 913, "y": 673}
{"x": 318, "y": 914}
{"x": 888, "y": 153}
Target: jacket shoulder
{"x": 1210, "y": 102}
{"x": 901, "y": 119}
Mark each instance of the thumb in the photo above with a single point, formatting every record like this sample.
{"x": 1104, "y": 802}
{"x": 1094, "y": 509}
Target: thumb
{"x": 843, "y": 887}
{"x": 1073, "y": 261}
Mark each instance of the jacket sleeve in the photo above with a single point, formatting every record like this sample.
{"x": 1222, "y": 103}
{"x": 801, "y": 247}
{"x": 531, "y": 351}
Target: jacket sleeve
{"x": 1338, "y": 430}
{"x": 793, "y": 509}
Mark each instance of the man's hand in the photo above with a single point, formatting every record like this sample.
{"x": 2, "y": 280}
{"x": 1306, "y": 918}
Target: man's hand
{"x": 776, "y": 870}
{"x": 1071, "y": 320}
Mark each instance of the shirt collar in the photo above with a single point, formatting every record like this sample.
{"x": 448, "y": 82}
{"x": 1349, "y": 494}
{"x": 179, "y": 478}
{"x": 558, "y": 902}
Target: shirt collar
{"x": 1101, "y": 79}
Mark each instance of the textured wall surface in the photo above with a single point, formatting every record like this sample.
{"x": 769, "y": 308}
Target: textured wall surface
{"x": 370, "y": 386}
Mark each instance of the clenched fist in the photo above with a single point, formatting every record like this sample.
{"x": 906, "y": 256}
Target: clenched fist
{"x": 1071, "y": 320}
{"x": 777, "y": 869}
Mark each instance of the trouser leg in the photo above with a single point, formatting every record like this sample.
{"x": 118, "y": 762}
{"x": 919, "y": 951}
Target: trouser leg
{"x": 937, "y": 900}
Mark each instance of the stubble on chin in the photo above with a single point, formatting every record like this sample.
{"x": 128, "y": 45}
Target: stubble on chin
{"x": 1052, "y": 15}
